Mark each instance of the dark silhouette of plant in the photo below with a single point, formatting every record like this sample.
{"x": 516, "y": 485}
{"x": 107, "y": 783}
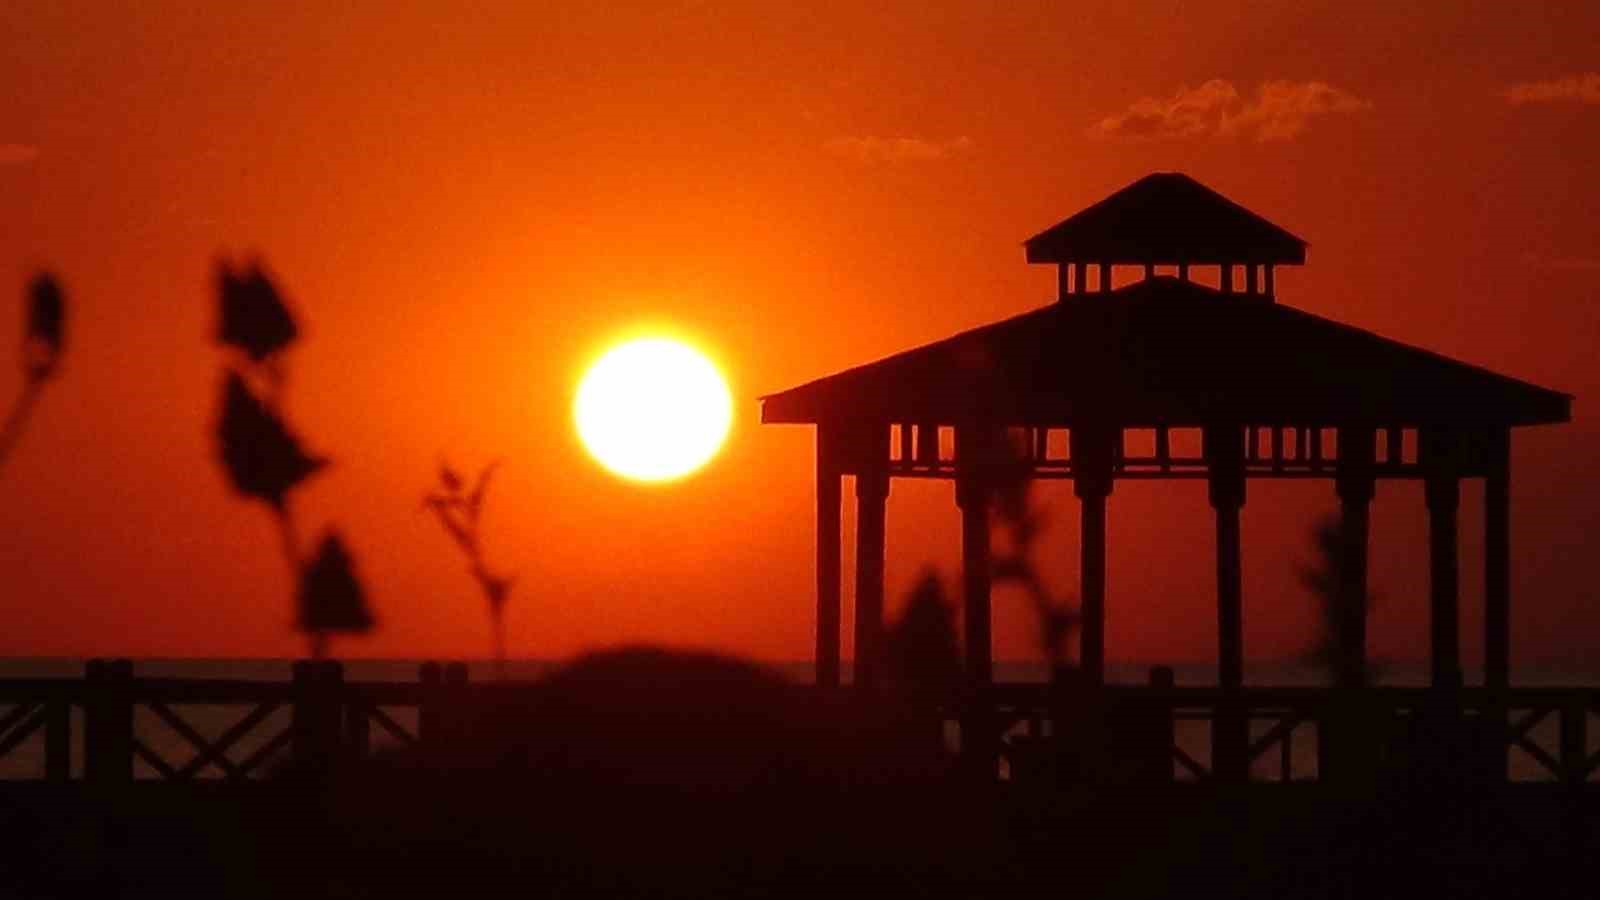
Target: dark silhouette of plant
{"x": 922, "y": 654}
{"x": 1322, "y": 579}
{"x": 1023, "y": 522}
{"x": 330, "y": 596}
{"x": 264, "y": 459}
{"x": 43, "y": 342}
{"x": 459, "y": 510}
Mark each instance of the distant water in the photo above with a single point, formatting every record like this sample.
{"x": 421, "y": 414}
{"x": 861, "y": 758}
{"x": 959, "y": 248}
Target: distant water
{"x": 1277, "y": 674}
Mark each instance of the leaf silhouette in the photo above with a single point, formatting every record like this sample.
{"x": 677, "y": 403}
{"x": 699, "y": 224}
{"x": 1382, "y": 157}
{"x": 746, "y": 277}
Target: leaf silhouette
{"x": 331, "y": 597}
{"x": 449, "y": 478}
{"x": 253, "y": 316}
{"x": 497, "y": 589}
{"x": 475, "y": 502}
{"x": 263, "y": 458}
{"x": 45, "y": 335}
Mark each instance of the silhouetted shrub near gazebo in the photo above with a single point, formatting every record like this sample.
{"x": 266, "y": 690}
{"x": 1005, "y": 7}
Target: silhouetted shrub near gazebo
{"x": 264, "y": 459}
{"x": 1323, "y": 579}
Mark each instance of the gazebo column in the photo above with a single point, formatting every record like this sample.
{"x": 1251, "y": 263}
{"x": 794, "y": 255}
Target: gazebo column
{"x": 1442, "y": 486}
{"x": 1355, "y": 485}
{"x": 828, "y": 537}
{"x": 1230, "y": 735}
{"x": 1497, "y": 561}
{"x": 980, "y": 735}
{"x": 872, "y": 495}
{"x": 973, "y": 496}
{"x": 1347, "y": 742}
{"x": 1091, "y": 462}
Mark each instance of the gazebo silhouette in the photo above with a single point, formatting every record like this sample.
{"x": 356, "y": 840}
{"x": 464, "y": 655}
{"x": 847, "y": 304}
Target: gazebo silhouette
{"x": 1166, "y": 378}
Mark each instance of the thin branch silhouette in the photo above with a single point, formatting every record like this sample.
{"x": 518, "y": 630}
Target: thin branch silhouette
{"x": 459, "y": 511}
{"x": 43, "y": 343}
{"x": 1023, "y": 521}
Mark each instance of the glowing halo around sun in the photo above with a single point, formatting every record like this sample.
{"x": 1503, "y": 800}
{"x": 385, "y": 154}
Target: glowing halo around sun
{"x": 653, "y": 409}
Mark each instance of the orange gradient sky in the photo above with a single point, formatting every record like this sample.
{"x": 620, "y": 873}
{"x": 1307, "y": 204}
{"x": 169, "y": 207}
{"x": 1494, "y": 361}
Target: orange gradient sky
{"x": 465, "y": 207}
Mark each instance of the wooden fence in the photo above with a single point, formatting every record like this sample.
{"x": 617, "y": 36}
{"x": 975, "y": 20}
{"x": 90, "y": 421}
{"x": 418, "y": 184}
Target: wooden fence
{"x": 113, "y": 726}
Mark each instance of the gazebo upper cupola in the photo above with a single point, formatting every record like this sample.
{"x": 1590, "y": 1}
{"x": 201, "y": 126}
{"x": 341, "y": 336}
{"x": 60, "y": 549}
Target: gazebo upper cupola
{"x": 1165, "y": 219}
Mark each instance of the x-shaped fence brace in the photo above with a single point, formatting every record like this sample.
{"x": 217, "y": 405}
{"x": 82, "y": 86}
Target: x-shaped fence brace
{"x": 19, "y": 724}
{"x": 215, "y": 752}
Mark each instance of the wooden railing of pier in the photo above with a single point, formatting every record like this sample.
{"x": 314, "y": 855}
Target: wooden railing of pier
{"x": 96, "y": 728}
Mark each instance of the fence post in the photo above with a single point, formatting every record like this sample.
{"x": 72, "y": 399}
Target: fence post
{"x": 429, "y": 708}
{"x": 1350, "y": 736}
{"x": 318, "y": 705}
{"x": 1575, "y": 740}
{"x": 1230, "y": 739}
{"x": 1163, "y": 725}
{"x": 58, "y": 739}
{"x": 357, "y": 727}
{"x": 108, "y": 720}
{"x": 457, "y": 714}
{"x": 93, "y": 720}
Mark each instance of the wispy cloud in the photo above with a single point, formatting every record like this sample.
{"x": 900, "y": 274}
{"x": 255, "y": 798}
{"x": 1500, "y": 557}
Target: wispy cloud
{"x": 1280, "y": 111}
{"x": 17, "y": 154}
{"x": 1584, "y": 88}
{"x": 1563, "y": 263}
{"x": 892, "y": 150}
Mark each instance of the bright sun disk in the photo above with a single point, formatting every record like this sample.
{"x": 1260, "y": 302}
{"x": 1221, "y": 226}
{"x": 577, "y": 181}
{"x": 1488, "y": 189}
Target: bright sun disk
{"x": 653, "y": 409}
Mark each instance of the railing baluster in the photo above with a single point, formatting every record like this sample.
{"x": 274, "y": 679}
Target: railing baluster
{"x": 1286, "y": 773}
{"x": 1575, "y": 741}
{"x": 58, "y": 740}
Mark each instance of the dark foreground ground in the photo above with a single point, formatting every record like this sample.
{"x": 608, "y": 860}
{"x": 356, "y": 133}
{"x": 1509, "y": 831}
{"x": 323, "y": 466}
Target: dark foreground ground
{"x": 676, "y": 776}
{"x": 449, "y": 838}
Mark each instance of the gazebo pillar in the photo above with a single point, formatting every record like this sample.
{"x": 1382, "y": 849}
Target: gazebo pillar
{"x": 1230, "y": 735}
{"x": 1497, "y": 561}
{"x": 1355, "y": 485}
{"x": 1091, "y": 462}
{"x": 972, "y": 494}
{"x": 1442, "y": 486}
{"x": 1224, "y": 453}
{"x": 872, "y": 495}
{"x": 828, "y": 537}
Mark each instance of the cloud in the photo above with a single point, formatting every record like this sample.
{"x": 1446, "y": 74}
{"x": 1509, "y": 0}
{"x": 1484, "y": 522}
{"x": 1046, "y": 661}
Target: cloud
{"x": 896, "y": 150}
{"x": 1280, "y": 111}
{"x": 17, "y": 154}
{"x": 1563, "y": 263}
{"x": 1583, "y": 88}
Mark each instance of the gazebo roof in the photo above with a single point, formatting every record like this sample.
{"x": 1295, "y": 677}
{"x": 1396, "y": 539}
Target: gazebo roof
{"x": 1166, "y": 218}
{"x": 1169, "y": 352}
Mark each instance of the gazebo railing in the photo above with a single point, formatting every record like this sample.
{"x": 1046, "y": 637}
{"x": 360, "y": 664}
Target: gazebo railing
{"x": 1270, "y": 451}
{"x": 114, "y": 727}
{"x": 1303, "y": 734}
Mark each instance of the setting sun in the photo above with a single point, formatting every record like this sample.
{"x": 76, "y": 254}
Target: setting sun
{"x": 653, "y": 409}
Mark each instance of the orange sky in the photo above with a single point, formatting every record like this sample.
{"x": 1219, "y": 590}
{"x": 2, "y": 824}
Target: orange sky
{"x": 465, "y": 207}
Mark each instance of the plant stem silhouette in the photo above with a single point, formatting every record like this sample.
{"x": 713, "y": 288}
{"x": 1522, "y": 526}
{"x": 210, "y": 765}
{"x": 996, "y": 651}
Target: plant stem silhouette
{"x": 459, "y": 510}
{"x": 263, "y": 457}
{"x": 1022, "y": 520}
{"x": 43, "y": 342}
